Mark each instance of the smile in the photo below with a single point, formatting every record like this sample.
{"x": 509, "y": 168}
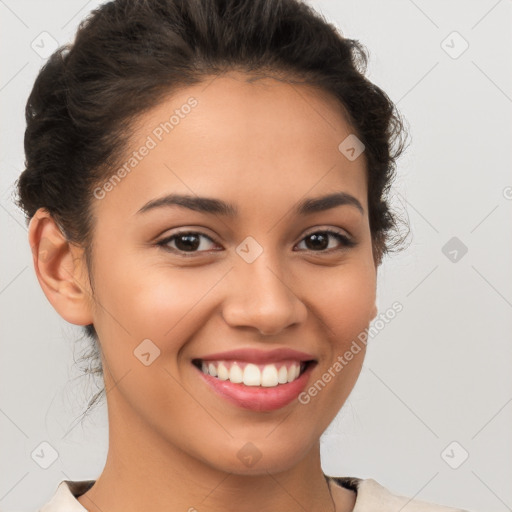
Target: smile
{"x": 257, "y": 387}
{"x": 249, "y": 374}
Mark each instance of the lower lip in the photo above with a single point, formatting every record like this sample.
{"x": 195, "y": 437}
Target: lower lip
{"x": 258, "y": 398}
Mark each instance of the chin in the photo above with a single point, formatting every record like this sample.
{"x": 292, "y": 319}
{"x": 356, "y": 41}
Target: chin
{"x": 259, "y": 457}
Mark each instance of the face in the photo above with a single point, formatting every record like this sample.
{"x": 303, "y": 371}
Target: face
{"x": 176, "y": 282}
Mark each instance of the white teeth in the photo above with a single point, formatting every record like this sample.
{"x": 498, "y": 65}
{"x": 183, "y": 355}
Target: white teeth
{"x": 253, "y": 375}
{"x": 212, "y": 370}
{"x": 269, "y": 376}
{"x": 235, "y": 374}
{"x": 223, "y": 372}
{"x": 282, "y": 375}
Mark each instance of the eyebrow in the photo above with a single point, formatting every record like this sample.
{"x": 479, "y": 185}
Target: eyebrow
{"x": 218, "y": 207}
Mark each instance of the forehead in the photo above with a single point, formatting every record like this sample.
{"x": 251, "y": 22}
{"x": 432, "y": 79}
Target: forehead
{"x": 247, "y": 140}
{"x": 263, "y": 114}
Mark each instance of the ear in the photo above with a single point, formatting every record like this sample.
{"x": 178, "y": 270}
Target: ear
{"x": 60, "y": 269}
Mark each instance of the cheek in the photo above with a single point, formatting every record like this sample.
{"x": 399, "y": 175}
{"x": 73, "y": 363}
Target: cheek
{"x": 344, "y": 303}
{"x": 346, "y": 307}
{"x": 168, "y": 300}
{"x": 156, "y": 304}
{"x": 162, "y": 304}
{"x": 344, "y": 299}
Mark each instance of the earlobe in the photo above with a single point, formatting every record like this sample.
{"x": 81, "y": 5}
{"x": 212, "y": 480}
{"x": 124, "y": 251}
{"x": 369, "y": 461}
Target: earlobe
{"x": 60, "y": 269}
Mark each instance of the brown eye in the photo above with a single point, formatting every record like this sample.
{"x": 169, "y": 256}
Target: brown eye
{"x": 186, "y": 242}
{"x": 319, "y": 241}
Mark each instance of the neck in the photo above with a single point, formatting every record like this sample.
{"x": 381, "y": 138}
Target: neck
{"x": 145, "y": 471}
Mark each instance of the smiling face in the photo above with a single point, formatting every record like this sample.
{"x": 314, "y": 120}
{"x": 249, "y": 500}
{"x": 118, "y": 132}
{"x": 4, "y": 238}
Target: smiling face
{"x": 260, "y": 272}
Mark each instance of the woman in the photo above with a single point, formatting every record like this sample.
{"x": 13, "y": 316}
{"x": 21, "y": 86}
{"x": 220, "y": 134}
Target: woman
{"x": 206, "y": 184}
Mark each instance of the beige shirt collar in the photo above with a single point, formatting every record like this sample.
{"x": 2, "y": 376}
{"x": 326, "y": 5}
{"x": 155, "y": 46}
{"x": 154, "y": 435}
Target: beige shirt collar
{"x": 371, "y": 497}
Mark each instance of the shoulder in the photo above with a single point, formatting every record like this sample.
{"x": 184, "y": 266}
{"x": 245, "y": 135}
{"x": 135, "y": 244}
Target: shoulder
{"x": 64, "y": 498}
{"x": 373, "y": 497}
{"x": 370, "y": 497}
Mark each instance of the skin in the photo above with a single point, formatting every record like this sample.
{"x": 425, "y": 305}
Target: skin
{"x": 262, "y": 146}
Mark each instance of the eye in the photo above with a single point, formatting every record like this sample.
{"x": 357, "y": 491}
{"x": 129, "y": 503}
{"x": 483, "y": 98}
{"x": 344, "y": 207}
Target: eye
{"x": 186, "y": 241}
{"x": 194, "y": 242}
{"x": 319, "y": 240}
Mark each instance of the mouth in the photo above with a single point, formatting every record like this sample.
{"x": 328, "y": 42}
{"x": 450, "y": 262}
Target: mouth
{"x": 262, "y": 387}
{"x": 254, "y": 375}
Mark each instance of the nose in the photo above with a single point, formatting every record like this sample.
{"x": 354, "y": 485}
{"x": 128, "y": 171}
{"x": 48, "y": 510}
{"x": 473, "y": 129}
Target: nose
{"x": 261, "y": 297}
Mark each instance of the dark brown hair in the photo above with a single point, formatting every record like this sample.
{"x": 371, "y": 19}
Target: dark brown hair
{"x": 129, "y": 54}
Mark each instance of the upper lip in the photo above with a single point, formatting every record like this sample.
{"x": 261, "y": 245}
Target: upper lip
{"x": 253, "y": 355}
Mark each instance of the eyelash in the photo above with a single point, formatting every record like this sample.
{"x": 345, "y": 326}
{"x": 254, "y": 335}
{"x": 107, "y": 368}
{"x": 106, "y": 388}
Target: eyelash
{"x": 346, "y": 242}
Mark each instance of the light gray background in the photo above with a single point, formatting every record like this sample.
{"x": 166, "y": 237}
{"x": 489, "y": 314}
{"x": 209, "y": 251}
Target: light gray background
{"x": 439, "y": 372}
